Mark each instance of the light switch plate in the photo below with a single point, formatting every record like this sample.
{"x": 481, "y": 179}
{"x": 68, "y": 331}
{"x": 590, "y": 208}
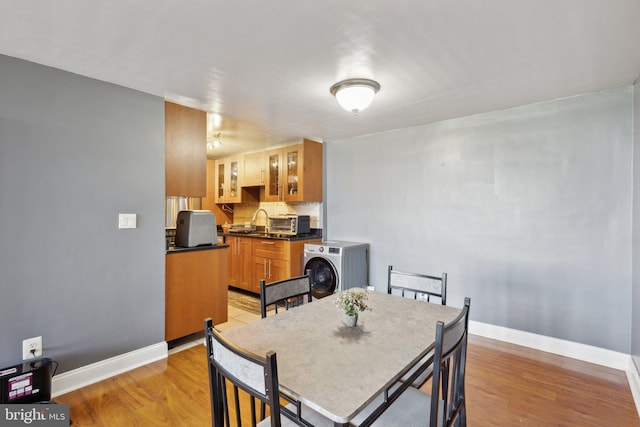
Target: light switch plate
{"x": 127, "y": 220}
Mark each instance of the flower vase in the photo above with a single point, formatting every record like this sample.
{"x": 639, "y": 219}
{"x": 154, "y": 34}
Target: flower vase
{"x": 350, "y": 320}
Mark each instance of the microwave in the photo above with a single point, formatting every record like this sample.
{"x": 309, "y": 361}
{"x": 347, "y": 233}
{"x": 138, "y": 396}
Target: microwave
{"x": 290, "y": 225}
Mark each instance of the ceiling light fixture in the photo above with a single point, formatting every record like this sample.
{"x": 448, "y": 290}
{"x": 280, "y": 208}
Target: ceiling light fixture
{"x": 355, "y": 94}
{"x": 214, "y": 142}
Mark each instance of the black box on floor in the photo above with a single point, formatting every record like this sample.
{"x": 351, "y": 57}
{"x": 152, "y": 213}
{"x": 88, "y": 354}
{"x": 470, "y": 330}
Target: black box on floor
{"x": 27, "y": 382}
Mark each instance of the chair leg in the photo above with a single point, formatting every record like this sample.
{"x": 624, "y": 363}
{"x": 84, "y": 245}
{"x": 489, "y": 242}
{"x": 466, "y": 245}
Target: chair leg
{"x": 461, "y": 419}
{"x": 463, "y": 416}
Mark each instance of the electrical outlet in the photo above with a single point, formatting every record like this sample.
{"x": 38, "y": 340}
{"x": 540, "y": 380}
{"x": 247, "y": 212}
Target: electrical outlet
{"x": 32, "y": 348}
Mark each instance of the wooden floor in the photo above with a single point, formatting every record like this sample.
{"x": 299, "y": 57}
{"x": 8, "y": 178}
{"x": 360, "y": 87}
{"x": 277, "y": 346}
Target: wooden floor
{"x": 510, "y": 385}
{"x": 507, "y": 385}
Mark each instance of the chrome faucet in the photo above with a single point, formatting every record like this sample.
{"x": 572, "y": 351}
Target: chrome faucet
{"x": 255, "y": 216}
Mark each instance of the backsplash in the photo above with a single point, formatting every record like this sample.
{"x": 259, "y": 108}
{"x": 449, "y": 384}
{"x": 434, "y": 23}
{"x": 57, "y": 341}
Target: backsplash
{"x": 244, "y": 212}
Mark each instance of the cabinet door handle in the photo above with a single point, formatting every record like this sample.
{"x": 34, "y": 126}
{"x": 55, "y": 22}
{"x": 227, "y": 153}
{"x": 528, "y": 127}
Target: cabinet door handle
{"x": 262, "y": 242}
{"x": 269, "y": 269}
{"x": 264, "y": 269}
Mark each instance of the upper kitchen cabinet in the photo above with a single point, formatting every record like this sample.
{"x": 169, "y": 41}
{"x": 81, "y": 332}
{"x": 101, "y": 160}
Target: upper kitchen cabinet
{"x": 254, "y": 169}
{"x": 294, "y": 173}
{"x": 227, "y": 180}
{"x": 209, "y": 202}
{"x": 185, "y": 151}
{"x": 272, "y": 190}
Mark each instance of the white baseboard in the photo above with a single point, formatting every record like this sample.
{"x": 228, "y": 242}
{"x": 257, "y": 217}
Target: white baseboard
{"x": 90, "y": 374}
{"x": 634, "y": 383}
{"x": 584, "y": 352}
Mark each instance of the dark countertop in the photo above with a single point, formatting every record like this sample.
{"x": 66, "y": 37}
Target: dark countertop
{"x": 314, "y": 234}
{"x": 174, "y": 250}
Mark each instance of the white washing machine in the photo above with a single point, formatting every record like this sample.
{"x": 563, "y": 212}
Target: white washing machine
{"x": 335, "y": 266}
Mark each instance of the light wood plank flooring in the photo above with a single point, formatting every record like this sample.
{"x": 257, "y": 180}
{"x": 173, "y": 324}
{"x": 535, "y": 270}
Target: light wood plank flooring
{"x": 511, "y": 385}
{"x": 506, "y": 384}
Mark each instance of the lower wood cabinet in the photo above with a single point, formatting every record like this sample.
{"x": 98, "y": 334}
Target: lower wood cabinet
{"x": 271, "y": 270}
{"x": 196, "y": 285}
{"x": 240, "y": 262}
{"x": 268, "y": 259}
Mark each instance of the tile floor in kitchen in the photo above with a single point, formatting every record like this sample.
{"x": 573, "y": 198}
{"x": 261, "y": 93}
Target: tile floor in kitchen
{"x": 235, "y": 317}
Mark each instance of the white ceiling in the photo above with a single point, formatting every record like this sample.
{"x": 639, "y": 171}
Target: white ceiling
{"x": 267, "y": 66}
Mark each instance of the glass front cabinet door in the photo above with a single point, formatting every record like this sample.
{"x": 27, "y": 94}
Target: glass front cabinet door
{"x": 220, "y": 181}
{"x": 234, "y": 185}
{"x": 273, "y": 189}
{"x": 292, "y": 182}
{"x": 227, "y": 181}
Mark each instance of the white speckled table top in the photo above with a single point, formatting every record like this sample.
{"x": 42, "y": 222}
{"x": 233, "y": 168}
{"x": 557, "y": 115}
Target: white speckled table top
{"x": 338, "y": 370}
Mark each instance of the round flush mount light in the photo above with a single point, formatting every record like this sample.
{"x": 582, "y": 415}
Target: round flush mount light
{"x": 355, "y": 94}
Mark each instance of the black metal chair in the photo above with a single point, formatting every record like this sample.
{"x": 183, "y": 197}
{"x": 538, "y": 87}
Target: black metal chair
{"x": 238, "y": 378}
{"x": 445, "y": 406}
{"x": 287, "y": 293}
{"x": 413, "y": 285}
{"x": 417, "y": 285}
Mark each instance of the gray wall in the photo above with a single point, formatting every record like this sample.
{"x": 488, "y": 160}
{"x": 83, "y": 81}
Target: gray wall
{"x": 75, "y": 152}
{"x": 528, "y": 210}
{"x": 635, "y": 323}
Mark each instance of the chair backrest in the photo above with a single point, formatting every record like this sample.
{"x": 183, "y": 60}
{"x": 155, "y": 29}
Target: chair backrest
{"x": 287, "y": 293}
{"x": 229, "y": 365}
{"x": 239, "y": 378}
{"x": 415, "y": 284}
{"x": 449, "y": 362}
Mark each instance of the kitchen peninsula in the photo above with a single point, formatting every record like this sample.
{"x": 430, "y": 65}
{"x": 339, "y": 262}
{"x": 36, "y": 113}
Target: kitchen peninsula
{"x": 195, "y": 288}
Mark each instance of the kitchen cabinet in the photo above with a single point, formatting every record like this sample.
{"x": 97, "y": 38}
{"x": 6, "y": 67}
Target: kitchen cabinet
{"x": 196, "y": 285}
{"x": 209, "y": 202}
{"x": 240, "y": 262}
{"x": 253, "y": 169}
{"x": 269, "y": 270}
{"x": 185, "y": 151}
{"x": 294, "y": 173}
{"x": 264, "y": 258}
{"x": 270, "y": 261}
{"x": 227, "y": 180}
{"x": 273, "y": 185}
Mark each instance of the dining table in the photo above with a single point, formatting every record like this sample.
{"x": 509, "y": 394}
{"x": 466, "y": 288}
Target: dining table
{"x": 338, "y": 370}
